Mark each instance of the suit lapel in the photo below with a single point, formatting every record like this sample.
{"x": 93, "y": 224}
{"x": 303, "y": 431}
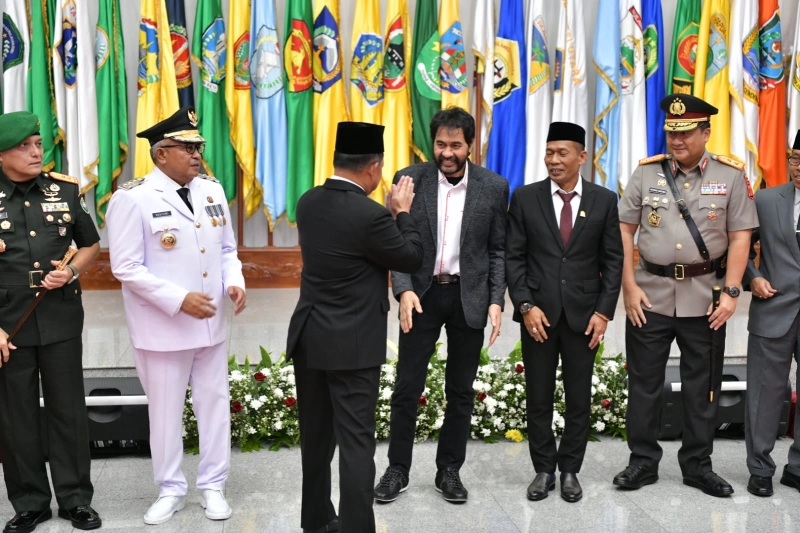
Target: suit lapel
{"x": 546, "y": 203}
{"x": 430, "y": 191}
{"x": 474, "y": 186}
{"x": 586, "y": 204}
{"x": 786, "y": 220}
{"x": 170, "y": 195}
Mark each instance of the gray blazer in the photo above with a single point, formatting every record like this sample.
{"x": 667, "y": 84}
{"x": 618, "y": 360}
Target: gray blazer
{"x": 780, "y": 263}
{"x": 483, "y": 234}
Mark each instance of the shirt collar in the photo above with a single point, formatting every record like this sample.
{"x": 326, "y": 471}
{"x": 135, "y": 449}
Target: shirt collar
{"x": 796, "y": 195}
{"x": 443, "y": 178}
{"x": 10, "y": 187}
{"x": 170, "y": 184}
{"x": 335, "y": 177}
{"x": 578, "y": 190}
{"x": 700, "y": 166}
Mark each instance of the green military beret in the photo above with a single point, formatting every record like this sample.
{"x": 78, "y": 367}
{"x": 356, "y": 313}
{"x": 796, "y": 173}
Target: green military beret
{"x": 16, "y": 127}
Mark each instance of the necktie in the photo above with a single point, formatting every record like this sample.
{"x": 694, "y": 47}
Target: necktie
{"x": 183, "y": 192}
{"x": 565, "y": 224}
{"x": 797, "y": 233}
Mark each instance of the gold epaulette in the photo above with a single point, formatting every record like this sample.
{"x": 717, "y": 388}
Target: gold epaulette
{"x": 128, "y": 185}
{"x": 654, "y": 159}
{"x": 725, "y": 160}
{"x": 61, "y": 177}
{"x": 207, "y": 177}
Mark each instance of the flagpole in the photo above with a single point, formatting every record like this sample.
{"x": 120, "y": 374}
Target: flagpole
{"x": 239, "y": 206}
{"x": 478, "y": 113}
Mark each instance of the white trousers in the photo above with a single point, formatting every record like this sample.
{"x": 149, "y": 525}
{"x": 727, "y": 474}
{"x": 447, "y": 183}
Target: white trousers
{"x": 164, "y": 376}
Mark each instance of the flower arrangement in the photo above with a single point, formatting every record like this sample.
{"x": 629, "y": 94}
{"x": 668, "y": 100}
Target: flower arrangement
{"x": 264, "y": 401}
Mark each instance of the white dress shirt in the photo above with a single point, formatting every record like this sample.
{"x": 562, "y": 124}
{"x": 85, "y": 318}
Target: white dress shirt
{"x": 558, "y": 203}
{"x": 796, "y": 205}
{"x": 339, "y": 178}
{"x": 178, "y": 187}
{"x": 448, "y": 235}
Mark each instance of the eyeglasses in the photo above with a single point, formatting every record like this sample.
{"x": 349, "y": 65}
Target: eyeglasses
{"x": 189, "y": 147}
{"x": 794, "y": 161}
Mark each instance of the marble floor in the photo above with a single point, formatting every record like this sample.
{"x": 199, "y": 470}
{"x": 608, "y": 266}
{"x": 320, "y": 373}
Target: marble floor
{"x": 263, "y": 489}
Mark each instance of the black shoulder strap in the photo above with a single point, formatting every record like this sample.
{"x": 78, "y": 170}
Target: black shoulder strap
{"x": 687, "y": 217}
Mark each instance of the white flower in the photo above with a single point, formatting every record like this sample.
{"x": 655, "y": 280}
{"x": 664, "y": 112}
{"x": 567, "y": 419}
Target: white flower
{"x": 612, "y": 366}
{"x": 497, "y": 421}
{"x": 486, "y": 432}
{"x": 502, "y": 394}
{"x": 266, "y": 371}
{"x": 501, "y": 405}
{"x": 247, "y": 397}
{"x": 386, "y": 393}
{"x": 607, "y": 416}
{"x": 278, "y": 425}
{"x": 190, "y": 400}
{"x": 236, "y": 376}
{"x": 387, "y": 369}
{"x": 518, "y": 387}
{"x": 290, "y": 379}
{"x": 262, "y": 399}
{"x": 508, "y": 386}
{"x": 278, "y": 393}
{"x": 595, "y": 380}
{"x": 474, "y": 421}
{"x": 389, "y": 378}
{"x": 255, "y": 404}
{"x": 594, "y": 390}
{"x": 490, "y": 402}
{"x": 251, "y": 430}
{"x": 599, "y": 426}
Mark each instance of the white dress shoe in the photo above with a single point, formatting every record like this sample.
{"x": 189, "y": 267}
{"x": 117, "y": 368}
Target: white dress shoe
{"x": 217, "y": 508}
{"x": 163, "y": 509}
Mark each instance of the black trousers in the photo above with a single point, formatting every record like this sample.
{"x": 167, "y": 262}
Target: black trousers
{"x": 60, "y": 367}
{"x": 648, "y": 350}
{"x": 441, "y": 306}
{"x": 577, "y": 367}
{"x": 337, "y": 407}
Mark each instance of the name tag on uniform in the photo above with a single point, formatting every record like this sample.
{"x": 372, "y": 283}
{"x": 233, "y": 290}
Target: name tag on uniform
{"x": 3, "y": 216}
{"x": 714, "y": 188}
{"x": 162, "y": 214}
{"x": 55, "y": 207}
{"x": 653, "y": 190}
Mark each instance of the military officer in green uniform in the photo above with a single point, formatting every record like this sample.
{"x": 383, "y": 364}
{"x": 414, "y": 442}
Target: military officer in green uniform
{"x": 41, "y": 214}
{"x": 694, "y": 212}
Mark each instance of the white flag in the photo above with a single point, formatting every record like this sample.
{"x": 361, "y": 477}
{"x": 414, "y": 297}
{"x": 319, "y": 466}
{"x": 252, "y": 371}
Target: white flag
{"x": 16, "y": 49}
{"x": 483, "y": 48}
{"x": 793, "y": 87}
{"x": 74, "y": 86}
{"x": 538, "y": 101}
{"x": 633, "y": 103}
{"x": 570, "y": 95}
{"x": 743, "y": 79}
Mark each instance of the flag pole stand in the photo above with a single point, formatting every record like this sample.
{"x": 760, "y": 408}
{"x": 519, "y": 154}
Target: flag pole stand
{"x": 239, "y": 206}
{"x": 478, "y": 113}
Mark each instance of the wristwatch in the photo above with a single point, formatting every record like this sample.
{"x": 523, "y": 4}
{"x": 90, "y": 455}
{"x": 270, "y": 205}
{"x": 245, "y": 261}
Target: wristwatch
{"x": 524, "y": 307}
{"x": 733, "y": 292}
{"x": 75, "y": 273}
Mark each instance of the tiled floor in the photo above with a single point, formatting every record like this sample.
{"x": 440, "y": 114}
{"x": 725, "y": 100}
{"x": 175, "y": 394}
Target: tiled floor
{"x": 264, "y": 488}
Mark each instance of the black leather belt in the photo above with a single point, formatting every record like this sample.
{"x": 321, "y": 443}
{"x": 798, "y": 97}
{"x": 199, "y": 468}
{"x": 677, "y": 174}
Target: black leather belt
{"x": 679, "y": 271}
{"x": 32, "y": 279}
{"x": 444, "y": 279}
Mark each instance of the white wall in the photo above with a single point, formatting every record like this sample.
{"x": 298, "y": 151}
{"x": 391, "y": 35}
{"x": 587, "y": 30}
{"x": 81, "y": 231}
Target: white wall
{"x": 256, "y": 228}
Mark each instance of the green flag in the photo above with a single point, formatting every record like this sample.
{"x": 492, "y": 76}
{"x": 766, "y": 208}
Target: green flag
{"x": 297, "y": 54}
{"x": 209, "y": 53}
{"x": 684, "y": 47}
{"x": 112, "y": 103}
{"x": 426, "y": 92}
{"x": 39, "y": 98}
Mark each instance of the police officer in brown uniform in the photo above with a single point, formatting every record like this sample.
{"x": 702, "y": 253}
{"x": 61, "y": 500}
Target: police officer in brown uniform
{"x": 41, "y": 215}
{"x": 695, "y": 213}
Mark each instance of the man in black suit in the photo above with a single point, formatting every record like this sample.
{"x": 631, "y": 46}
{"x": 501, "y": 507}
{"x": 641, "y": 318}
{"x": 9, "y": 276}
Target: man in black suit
{"x": 460, "y": 211}
{"x": 564, "y": 269}
{"x": 337, "y": 334}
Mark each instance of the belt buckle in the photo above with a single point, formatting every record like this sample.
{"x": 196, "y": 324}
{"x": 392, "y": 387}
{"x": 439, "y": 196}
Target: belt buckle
{"x": 31, "y": 273}
{"x": 682, "y": 274}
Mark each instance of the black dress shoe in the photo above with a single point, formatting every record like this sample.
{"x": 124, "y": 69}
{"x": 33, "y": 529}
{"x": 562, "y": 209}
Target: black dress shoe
{"x": 332, "y": 527}
{"x": 635, "y": 477}
{"x": 760, "y": 486}
{"x": 82, "y": 517}
{"x": 711, "y": 484}
{"x": 392, "y": 483}
{"x": 26, "y": 521}
{"x": 448, "y": 482}
{"x": 570, "y": 488}
{"x": 789, "y": 479}
{"x": 541, "y": 486}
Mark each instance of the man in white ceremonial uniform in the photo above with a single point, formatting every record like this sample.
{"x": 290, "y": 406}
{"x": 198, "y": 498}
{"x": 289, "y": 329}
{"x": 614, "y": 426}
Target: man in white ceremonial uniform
{"x": 173, "y": 249}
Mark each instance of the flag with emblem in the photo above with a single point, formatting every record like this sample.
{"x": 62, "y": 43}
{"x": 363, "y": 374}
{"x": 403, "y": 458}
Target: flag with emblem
{"x": 112, "y": 103}
{"x": 269, "y": 108}
{"x": 607, "y": 64}
{"x": 209, "y": 54}
{"x": 39, "y": 87}
{"x": 330, "y": 104}
{"x": 453, "y": 66}
{"x": 510, "y": 81}
{"x": 772, "y": 142}
{"x": 366, "y": 72}
{"x": 397, "y": 99}
{"x": 176, "y": 15}
{"x": 75, "y": 91}
{"x": 711, "y": 71}
{"x": 158, "y": 93}
{"x": 633, "y": 101}
{"x": 426, "y": 91}
{"x": 653, "y": 29}
{"x": 483, "y": 47}
{"x": 684, "y": 47}
{"x": 743, "y": 80}
{"x": 537, "y": 57}
{"x": 570, "y": 95}
{"x": 793, "y": 87}
{"x": 239, "y": 102}
{"x": 16, "y": 50}
{"x": 297, "y": 56}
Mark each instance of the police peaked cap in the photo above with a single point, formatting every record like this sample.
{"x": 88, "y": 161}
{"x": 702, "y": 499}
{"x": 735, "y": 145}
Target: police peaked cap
{"x": 182, "y": 126}
{"x": 685, "y": 112}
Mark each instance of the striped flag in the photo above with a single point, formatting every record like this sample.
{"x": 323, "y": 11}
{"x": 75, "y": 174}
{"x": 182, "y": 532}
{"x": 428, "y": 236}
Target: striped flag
{"x": 39, "y": 94}
{"x": 537, "y": 58}
{"x": 684, "y": 47}
{"x": 654, "y": 66}
{"x": 772, "y": 141}
{"x": 453, "y": 66}
{"x": 426, "y": 91}
{"x": 483, "y": 48}
{"x": 607, "y": 63}
{"x": 16, "y": 51}
{"x": 571, "y": 97}
{"x": 181, "y": 52}
{"x": 397, "y": 96}
{"x": 793, "y": 87}
{"x": 743, "y": 79}
{"x": 633, "y": 102}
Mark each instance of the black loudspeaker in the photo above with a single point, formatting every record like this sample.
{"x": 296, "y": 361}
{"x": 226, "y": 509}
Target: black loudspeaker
{"x": 730, "y": 416}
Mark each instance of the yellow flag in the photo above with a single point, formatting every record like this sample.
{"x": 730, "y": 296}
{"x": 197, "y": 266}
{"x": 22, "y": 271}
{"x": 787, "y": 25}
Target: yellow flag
{"x": 397, "y": 98}
{"x": 330, "y": 105}
{"x": 158, "y": 92}
{"x": 238, "y": 101}
{"x": 711, "y": 71}
{"x": 453, "y": 66}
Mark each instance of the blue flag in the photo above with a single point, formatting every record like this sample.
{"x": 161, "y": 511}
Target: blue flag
{"x": 653, "y": 29}
{"x": 269, "y": 108}
{"x": 508, "y": 115}
{"x": 181, "y": 51}
{"x": 607, "y": 103}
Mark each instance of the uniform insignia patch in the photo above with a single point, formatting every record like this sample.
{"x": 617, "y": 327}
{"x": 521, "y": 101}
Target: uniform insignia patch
{"x": 654, "y": 159}
{"x": 750, "y": 192}
{"x": 653, "y": 190}
{"x": 714, "y": 188}
{"x": 83, "y": 205}
{"x": 128, "y": 185}
{"x": 207, "y": 177}
{"x": 55, "y": 207}
{"x": 725, "y": 160}
{"x": 162, "y": 214}
{"x": 63, "y": 177}
{"x": 62, "y": 231}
